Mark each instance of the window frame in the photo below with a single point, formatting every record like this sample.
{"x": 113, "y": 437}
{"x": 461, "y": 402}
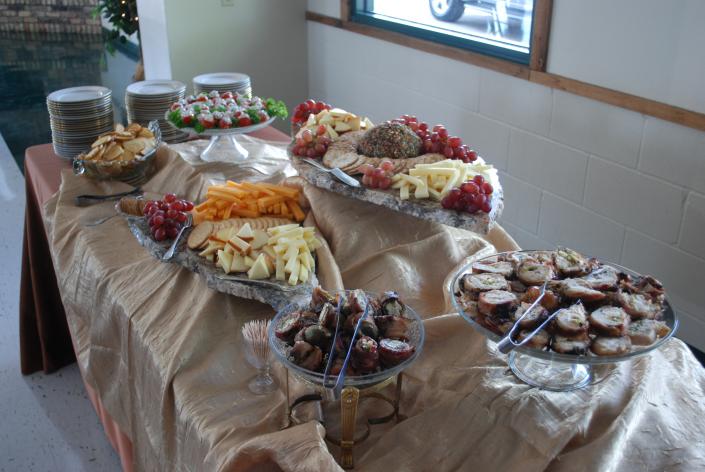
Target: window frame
{"x": 477, "y": 46}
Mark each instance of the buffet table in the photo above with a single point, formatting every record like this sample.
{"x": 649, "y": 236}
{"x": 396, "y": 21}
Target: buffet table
{"x": 162, "y": 353}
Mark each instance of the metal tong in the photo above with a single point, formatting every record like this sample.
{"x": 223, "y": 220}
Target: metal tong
{"x": 85, "y": 200}
{"x": 340, "y": 380}
{"x": 507, "y": 343}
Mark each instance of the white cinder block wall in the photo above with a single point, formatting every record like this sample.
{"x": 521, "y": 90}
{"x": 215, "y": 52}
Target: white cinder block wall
{"x": 613, "y": 183}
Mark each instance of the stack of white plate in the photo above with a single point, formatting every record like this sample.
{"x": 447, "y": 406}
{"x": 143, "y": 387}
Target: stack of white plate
{"x": 78, "y": 115}
{"x": 234, "y": 82}
{"x": 149, "y": 100}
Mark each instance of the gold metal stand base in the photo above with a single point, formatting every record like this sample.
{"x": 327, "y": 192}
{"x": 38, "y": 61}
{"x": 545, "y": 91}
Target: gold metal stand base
{"x": 349, "y": 401}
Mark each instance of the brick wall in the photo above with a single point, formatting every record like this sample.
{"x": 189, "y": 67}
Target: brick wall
{"x": 49, "y": 16}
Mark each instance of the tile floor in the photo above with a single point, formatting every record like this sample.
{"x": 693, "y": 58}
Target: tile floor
{"x": 47, "y": 422}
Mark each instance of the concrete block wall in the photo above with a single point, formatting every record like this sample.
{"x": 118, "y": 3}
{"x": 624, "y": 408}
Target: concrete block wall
{"x": 49, "y": 16}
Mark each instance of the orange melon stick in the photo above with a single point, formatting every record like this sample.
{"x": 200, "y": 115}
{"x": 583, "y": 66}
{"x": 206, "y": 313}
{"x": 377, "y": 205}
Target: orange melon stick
{"x": 249, "y": 200}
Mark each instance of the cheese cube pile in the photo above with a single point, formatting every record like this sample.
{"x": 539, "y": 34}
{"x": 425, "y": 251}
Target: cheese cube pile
{"x": 283, "y": 251}
{"x": 436, "y": 180}
{"x": 337, "y": 122}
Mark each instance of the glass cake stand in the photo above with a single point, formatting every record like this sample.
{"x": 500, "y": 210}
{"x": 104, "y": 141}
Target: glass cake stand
{"x": 223, "y": 145}
{"x": 550, "y": 370}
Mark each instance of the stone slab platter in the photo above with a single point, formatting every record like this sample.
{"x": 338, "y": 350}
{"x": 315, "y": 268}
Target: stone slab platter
{"x": 272, "y": 292}
{"x": 431, "y": 210}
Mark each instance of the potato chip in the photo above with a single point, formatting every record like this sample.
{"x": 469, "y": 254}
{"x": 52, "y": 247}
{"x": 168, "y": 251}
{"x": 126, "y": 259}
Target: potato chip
{"x": 119, "y": 128}
{"x": 112, "y": 152}
{"x": 145, "y": 133}
{"x": 134, "y": 145}
{"x": 104, "y": 139}
{"x": 134, "y": 128}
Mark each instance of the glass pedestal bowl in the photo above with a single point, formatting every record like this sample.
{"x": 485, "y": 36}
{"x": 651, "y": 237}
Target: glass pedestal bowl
{"x": 280, "y": 349}
{"x": 550, "y": 370}
{"x": 223, "y": 145}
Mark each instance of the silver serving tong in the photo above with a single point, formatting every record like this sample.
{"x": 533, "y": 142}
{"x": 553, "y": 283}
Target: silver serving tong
{"x": 336, "y": 171}
{"x": 340, "y": 381}
{"x": 85, "y": 200}
{"x": 507, "y": 343}
{"x": 172, "y": 250}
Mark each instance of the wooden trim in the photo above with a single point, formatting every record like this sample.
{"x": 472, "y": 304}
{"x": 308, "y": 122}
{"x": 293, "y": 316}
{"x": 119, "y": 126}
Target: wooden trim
{"x": 635, "y": 103}
{"x": 345, "y": 10}
{"x": 674, "y": 114}
{"x": 541, "y": 28}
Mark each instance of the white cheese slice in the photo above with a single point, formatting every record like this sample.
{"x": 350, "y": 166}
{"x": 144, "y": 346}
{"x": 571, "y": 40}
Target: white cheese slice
{"x": 259, "y": 269}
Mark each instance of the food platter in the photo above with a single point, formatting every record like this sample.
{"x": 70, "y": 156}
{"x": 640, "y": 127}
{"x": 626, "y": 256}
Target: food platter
{"x": 415, "y": 336}
{"x": 401, "y": 164}
{"x": 271, "y": 292}
{"x": 423, "y": 209}
{"x": 543, "y": 367}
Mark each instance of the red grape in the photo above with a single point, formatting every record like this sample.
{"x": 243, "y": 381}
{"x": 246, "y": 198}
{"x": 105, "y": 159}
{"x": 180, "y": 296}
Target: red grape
{"x": 379, "y": 173}
{"x": 478, "y": 179}
{"x": 423, "y": 126}
{"x": 479, "y": 199}
{"x": 181, "y": 217}
{"x": 448, "y": 151}
{"x": 486, "y": 207}
{"x": 321, "y": 129}
{"x": 311, "y": 152}
{"x": 437, "y": 146}
{"x": 443, "y": 133}
{"x": 487, "y": 188}
{"x": 455, "y": 141}
{"x": 320, "y": 149}
{"x": 387, "y": 166}
{"x": 310, "y": 103}
{"x": 307, "y": 135}
{"x": 435, "y": 137}
{"x": 470, "y": 188}
{"x": 160, "y": 234}
{"x": 171, "y": 233}
{"x": 427, "y": 145}
{"x": 157, "y": 220}
{"x": 161, "y": 213}
{"x": 385, "y": 183}
{"x": 177, "y": 206}
{"x": 169, "y": 197}
{"x": 189, "y": 206}
{"x": 472, "y": 155}
{"x": 447, "y": 203}
{"x": 171, "y": 214}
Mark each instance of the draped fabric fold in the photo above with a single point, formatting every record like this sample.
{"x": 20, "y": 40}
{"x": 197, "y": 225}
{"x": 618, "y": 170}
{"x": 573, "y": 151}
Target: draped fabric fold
{"x": 163, "y": 352}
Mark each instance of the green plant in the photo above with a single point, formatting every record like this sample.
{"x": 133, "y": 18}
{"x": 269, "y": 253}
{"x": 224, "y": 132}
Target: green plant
{"x": 122, "y": 15}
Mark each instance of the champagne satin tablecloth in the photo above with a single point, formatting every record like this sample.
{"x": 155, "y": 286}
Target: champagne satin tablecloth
{"x": 164, "y": 354}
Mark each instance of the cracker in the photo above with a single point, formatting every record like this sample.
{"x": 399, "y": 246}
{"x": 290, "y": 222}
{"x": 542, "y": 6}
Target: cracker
{"x": 199, "y": 234}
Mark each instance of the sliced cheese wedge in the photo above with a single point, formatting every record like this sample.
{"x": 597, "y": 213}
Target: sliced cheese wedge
{"x": 259, "y": 269}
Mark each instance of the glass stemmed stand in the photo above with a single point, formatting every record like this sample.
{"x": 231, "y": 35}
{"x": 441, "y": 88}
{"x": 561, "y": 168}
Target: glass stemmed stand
{"x": 223, "y": 146}
{"x": 262, "y": 383}
{"x": 550, "y": 370}
{"x": 356, "y": 389}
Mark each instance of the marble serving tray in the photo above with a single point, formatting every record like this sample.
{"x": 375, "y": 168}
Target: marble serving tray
{"x": 431, "y": 210}
{"x": 275, "y": 293}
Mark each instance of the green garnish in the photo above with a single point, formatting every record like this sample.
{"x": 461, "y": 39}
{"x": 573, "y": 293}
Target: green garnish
{"x": 199, "y": 127}
{"x": 276, "y": 108}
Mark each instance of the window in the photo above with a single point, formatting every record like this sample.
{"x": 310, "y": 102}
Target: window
{"x": 499, "y": 28}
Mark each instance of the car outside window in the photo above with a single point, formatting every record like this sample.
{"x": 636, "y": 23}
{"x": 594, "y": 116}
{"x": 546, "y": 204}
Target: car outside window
{"x": 499, "y": 28}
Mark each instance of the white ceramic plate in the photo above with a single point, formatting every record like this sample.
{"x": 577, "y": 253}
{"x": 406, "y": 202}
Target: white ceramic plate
{"x": 79, "y": 94}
